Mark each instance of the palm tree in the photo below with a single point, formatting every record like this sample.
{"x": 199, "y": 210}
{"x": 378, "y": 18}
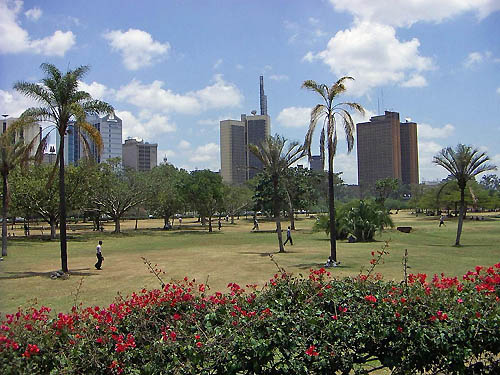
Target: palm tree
{"x": 276, "y": 157}
{"x": 332, "y": 113}
{"x": 61, "y": 101}
{"x": 12, "y": 153}
{"x": 464, "y": 163}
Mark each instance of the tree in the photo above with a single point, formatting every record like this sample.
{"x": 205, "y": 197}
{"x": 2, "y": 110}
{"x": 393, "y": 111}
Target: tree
{"x": 332, "y": 113}
{"x": 34, "y": 192}
{"x": 164, "y": 198}
{"x": 116, "y": 191}
{"x": 276, "y": 157}
{"x": 235, "y": 198}
{"x": 300, "y": 186}
{"x": 12, "y": 154}
{"x": 463, "y": 163}
{"x": 204, "y": 189}
{"x": 61, "y": 101}
{"x": 384, "y": 187}
{"x": 491, "y": 182}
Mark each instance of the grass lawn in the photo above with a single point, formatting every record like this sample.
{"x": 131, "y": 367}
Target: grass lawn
{"x": 234, "y": 254}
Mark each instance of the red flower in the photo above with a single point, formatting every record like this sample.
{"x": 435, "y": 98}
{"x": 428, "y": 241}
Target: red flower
{"x": 312, "y": 351}
{"x": 177, "y": 316}
{"x": 173, "y": 335}
{"x": 199, "y": 344}
{"x": 371, "y": 298}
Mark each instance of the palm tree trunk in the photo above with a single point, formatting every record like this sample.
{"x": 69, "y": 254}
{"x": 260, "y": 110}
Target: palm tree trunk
{"x": 5, "y": 202}
{"x": 62, "y": 208}
{"x": 331, "y": 209}
{"x": 290, "y": 212}
{"x": 460, "y": 216}
{"x": 277, "y": 215}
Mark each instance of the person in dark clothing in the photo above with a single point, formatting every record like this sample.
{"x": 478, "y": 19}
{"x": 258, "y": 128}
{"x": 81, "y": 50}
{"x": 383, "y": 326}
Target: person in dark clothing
{"x": 100, "y": 258}
{"x": 255, "y": 224}
{"x": 219, "y": 223}
{"x": 288, "y": 237}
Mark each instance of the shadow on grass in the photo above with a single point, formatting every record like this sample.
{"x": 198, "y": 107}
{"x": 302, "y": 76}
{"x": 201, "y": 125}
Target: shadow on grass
{"x": 304, "y": 266}
{"x": 24, "y": 275}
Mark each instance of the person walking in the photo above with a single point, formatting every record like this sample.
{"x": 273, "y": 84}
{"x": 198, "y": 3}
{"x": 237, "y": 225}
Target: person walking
{"x": 288, "y": 237}
{"x": 100, "y": 258}
{"x": 441, "y": 221}
{"x": 255, "y": 224}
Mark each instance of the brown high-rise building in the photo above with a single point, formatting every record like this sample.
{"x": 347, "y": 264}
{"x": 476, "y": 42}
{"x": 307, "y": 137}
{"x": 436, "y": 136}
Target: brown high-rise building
{"x": 386, "y": 148}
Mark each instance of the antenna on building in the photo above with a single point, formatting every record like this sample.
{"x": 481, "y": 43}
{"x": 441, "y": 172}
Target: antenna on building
{"x": 263, "y": 98}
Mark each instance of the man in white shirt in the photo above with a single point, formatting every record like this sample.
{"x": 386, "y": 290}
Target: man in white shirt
{"x": 100, "y": 258}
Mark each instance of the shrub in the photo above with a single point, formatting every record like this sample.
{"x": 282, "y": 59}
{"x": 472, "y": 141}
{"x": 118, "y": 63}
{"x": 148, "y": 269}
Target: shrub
{"x": 293, "y": 325}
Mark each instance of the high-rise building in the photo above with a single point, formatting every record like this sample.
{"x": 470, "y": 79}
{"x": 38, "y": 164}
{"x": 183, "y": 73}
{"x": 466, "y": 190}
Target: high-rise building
{"x": 139, "y": 155}
{"x": 409, "y": 153}
{"x": 263, "y": 98}
{"x": 257, "y": 130}
{"x": 238, "y": 164}
{"x": 110, "y": 128}
{"x": 386, "y": 148}
{"x": 27, "y": 134}
{"x": 233, "y": 151}
{"x": 315, "y": 163}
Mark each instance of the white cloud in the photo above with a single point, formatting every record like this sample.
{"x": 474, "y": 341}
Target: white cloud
{"x": 33, "y": 14}
{"x": 154, "y": 97}
{"x": 416, "y": 80}
{"x": 218, "y": 63}
{"x": 13, "y": 103}
{"x": 348, "y": 165}
{"x": 95, "y": 89}
{"x": 429, "y": 171}
{"x": 239, "y": 67}
{"x": 498, "y": 90}
{"x": 208, "y": 153}
{"x": 426, "y": 131}
{"x": 14, "y": 39}
{"x": 146, "y": 126}
{"x": 405, "y": 13}
{"x": 279, "y": 77}
{"x": 184, "y": 145}
{"x": 221, "y": 94}
{"x": 373, "y": 55}
{"x": 137, "y": 47}
{"x": 294, "y": 117}
{"x": 472, "y": 59}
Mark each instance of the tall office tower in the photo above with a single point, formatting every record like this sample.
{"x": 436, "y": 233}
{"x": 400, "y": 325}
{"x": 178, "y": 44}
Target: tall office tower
{"x": 257, "y": 129}
{"x": 263, "y": 98}
{"x": 315, "y": 163}
{"x": 379, "y": 150}
{"x": 139, "y": 155}
{"x": 409, "y": 153}
{"x": 233, "y": 151}
{"x": 386, "y": 148}
{"x": 238, "y": 164}
{"x": 110, "y": 128}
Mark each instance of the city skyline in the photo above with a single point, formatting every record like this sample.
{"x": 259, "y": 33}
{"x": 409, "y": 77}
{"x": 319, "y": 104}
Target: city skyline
{"x": 177, "y": 70}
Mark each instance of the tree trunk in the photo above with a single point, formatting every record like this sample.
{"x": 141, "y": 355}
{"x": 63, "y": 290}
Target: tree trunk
{"x": 331, "y": 208}
{"x": 62, "y": 206}
{"x": 232, "y": 218}
{"x": 52, "y": 224}
{"x": 277, "y": 214}
{"x": 210, "y": 224}
{"x": 117, "y": 225}
{"x": 460, "y": 215}
{"x": 5, "y": 201}
{"x": 290, "y": 212}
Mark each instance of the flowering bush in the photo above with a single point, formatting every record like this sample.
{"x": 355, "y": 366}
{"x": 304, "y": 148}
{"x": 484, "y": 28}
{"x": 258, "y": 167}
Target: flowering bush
{"x": 293, "y": 325}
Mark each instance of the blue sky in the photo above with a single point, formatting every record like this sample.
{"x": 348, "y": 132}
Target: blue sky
{"x": 174, "y": 69}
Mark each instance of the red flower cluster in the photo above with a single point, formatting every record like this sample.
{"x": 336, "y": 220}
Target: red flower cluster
{"x": 371, "y": 298}
{"x": 31, "y": 350}
{"x": 311, "y": 351}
